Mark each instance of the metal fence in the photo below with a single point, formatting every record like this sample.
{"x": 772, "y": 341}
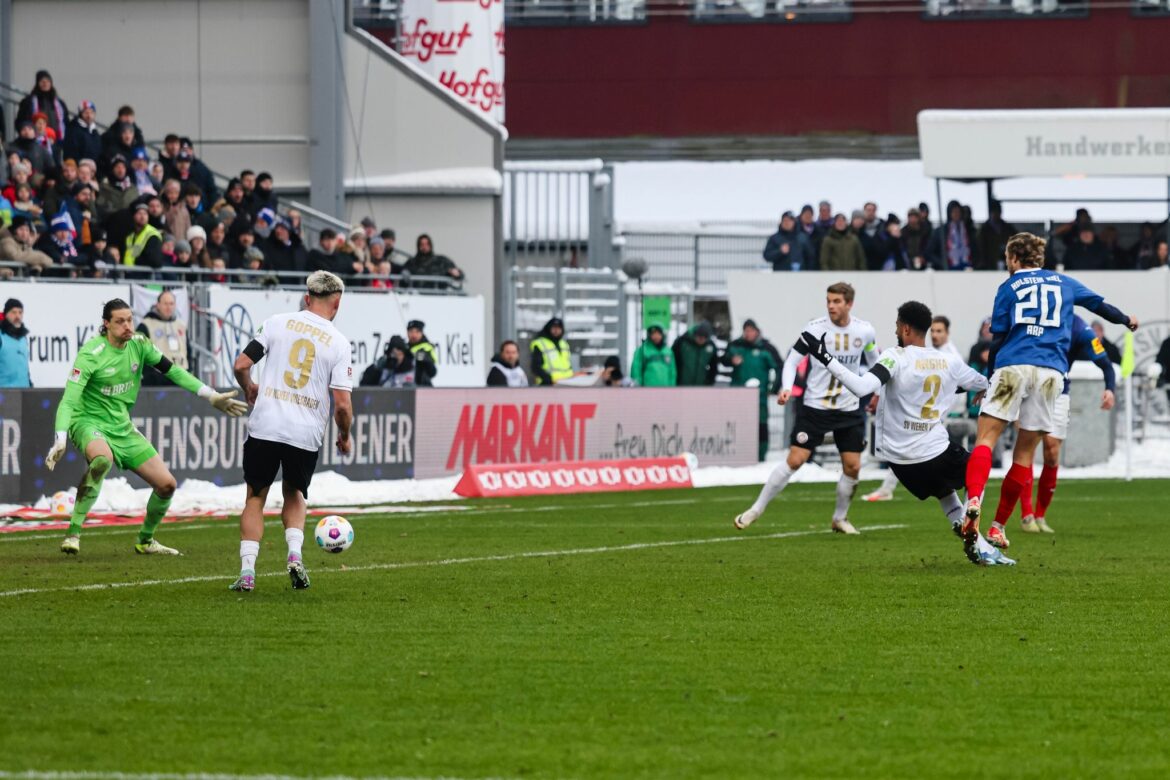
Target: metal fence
{"x": 559, "y": 214}
{"x": 700, "y": 262}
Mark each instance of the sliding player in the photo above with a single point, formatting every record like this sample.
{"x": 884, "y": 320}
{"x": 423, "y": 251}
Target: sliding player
{"x": 95, "y": 414}
{"x": 1085, "y": 346}
{"x": 1031, "y": 329}
{"x": 919, "y": 385}
{"x": 308, "y": 362}
{"x": 828, "y": 407}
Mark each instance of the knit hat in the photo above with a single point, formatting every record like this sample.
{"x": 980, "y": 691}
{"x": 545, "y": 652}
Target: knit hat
{"x": 86, "y": 104}
{"x": 182, "y": 246}
{"x": 253, "y": 253}
{"x": 858, "y": 214}
{"x": 225, "y": 212}
{"x": 60, "y": 222}
{"x": 195, "y": 231}
{"x": 750, "y": 323}
{"x": 42, "y": 74}
{"x": 416, "y": 325}
{"x": 12, "y": 303}
{"x": 140, "y": 153}
{"x": 704, "y": 329}
{"x": 377, "y": 241}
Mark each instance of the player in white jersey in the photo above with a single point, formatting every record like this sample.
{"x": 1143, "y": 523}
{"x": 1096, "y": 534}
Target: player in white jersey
{"x": 940, "y": 337}
{"x": 306, "y": 364}
{"x": 919, "y": 383}
{"x": 828, "y": 407}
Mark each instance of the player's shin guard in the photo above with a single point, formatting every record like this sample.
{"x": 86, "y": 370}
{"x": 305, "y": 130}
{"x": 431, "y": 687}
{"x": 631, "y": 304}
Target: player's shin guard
{"x": 978, "y": 470}
{"x": 88, "y": 492}
{"x": 846, "y": 487}
{"x": 1046, "y": 490}
{"x": 952, "y": 507}
{"x": 1017, "y": 480}
{"x": 156, "y": 508}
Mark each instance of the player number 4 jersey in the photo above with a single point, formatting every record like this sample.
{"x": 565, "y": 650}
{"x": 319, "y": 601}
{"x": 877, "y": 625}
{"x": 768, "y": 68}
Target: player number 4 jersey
{"x": 855, "y": 347}
{"x": 305, "y": 357}
{"x": 908, "y": 427}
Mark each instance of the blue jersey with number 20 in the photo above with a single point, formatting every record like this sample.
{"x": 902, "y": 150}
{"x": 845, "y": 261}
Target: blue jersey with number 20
{"x": 1034, "y": 307}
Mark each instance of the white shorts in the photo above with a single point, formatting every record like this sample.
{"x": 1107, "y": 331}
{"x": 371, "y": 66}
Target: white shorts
{"x": 1026, "y": 394}
{"x": 1060, "y": 419}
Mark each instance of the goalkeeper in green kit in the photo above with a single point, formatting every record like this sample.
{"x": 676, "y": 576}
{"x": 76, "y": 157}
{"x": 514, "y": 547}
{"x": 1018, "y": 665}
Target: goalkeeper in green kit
{"x": 95, "y": 414}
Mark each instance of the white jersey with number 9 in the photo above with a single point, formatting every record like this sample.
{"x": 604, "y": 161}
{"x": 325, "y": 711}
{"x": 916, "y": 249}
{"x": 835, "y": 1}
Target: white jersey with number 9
{"x": 305, "y": 357}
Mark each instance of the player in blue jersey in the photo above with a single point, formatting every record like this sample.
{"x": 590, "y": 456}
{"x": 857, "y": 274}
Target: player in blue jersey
{"x": 1031, "y": 331}
{"x": 1085, "y": 346}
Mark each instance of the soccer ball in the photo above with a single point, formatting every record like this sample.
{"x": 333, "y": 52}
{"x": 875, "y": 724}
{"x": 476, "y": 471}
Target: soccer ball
{"x": 334, "y": 534}
{"x": 61, "y": 504}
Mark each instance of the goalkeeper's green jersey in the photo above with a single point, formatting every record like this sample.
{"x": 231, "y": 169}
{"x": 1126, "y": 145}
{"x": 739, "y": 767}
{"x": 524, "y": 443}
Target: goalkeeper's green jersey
{"x": 104, "y": 383}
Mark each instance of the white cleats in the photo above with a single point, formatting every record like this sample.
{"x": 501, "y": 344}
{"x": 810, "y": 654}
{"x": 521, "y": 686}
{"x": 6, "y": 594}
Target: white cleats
{"x": 747, "y": 518}
{"x": 843, "y": 526}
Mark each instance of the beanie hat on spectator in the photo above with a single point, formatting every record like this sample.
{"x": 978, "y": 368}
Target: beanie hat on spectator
{"x": 396, "y": 342}
{"x": 182, "y": 246}
{"x": 85, "y": 162}
{"x": 750, "y": 323}
{"x": 357, "y": 233}
{"x": 195, "y": 231}
{"x": 704, "y": 329}
{"x": 267, "y": 216}
{"x": 97, "y": 234}
{"x": 43, "y": 74}
{"x": 86, "y": 104}
{"x": 377, "y": 241}
{"x": 226, "y": 212}
{"x": 858, "y": 214}
{"x": 253, "y": 253}
{"x": 117, "y": 158}
{"x": 368, "y": 222}
{"x": 12, "y": 303}
{"x": 19, "y": 221}
{"x": 77, "y": 189}
{"x": 141, "y": 206}
{"x": 40, "y": 115}
{"x": 61, "y": 222}
{"x": 388, "y": 235}
{"x": 787, "y": 215}
{"x": 614, "y": 362}
{"x": 23, "y": 123}
{"x": 183, "y": 156}
{"x": 892, "y": 219}
{"x": 416, "y": 325}
{"x": 140, "y": 153}
{"x": 264, "y": 176}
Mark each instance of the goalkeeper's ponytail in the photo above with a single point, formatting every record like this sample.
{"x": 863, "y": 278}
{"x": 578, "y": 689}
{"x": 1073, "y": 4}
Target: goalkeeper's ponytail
{"x": 117, "y": 304}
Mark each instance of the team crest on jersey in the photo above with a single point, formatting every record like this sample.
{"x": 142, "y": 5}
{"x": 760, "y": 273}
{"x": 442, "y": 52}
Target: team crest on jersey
{"x": 133, "y": 366}
{"x": 857, "y": 343}
{"x": 75, "y": 375}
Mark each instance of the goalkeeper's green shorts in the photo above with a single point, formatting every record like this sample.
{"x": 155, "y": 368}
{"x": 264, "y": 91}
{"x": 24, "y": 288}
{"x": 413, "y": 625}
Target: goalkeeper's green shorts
{"x": 130, "y": 450}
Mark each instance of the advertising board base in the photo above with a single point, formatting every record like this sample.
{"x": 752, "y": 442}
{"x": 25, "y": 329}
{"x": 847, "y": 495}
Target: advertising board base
{"x": 588, "y": 476}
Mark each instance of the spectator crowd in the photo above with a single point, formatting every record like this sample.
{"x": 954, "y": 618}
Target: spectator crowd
{"x": 864, "y": 241}
{"x": 79, "y": 201}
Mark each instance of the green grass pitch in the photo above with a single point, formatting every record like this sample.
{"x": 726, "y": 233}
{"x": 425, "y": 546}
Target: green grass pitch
{"x": 432, "y": 648}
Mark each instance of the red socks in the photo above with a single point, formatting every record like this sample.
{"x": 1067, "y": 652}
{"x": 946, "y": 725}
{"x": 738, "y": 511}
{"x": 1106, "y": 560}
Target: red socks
{"x": 1018, "y": 478}
{"x": 1046, "y": 490}
{"x": 978, "y": 470}
{"x": 1026, "y": 497}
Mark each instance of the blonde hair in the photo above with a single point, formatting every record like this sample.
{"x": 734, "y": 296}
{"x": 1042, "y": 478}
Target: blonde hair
{"x": 1027, "y": 249}
{"x": 322, "y": 284}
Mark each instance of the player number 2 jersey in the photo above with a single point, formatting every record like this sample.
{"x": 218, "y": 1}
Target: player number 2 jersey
{"x": 854, "y": 346}
{"x": 909, "y": 426}
{"x": 305, "y": 357}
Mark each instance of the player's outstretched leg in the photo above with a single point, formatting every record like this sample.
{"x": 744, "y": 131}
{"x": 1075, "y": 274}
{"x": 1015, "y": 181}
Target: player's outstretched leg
{"x": 100, "y": 461}
{"x": 886, "y": 491}
{"x": 293, "y": 516}
{"x": 975, "y": 547}
{"x": 159, "y": 477}
{"x": 775, "y": 484}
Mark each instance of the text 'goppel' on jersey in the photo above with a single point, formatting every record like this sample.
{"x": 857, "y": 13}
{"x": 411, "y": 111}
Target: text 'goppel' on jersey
{"x": 855, "y": 346}
{"x": 908, "y": 427}
{"x": 305, "y": 357}
{"x": 1034, "y": 308}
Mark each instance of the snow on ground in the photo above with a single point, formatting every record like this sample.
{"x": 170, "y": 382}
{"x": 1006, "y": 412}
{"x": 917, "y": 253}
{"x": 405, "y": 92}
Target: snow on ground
{"x": 1151, "y": 460}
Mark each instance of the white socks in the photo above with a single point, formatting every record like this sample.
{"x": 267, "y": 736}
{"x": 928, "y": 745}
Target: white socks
{"x": 846, "y": 487}
{"x": 248, "y": 553}
{"x": 776, "y": 482}
{"x": 952, "y": 506}
{"x": 295, "y": 538}
{"x": 889, "y": 482}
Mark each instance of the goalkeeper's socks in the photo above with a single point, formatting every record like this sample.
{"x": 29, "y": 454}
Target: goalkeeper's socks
{"x": 1018, "y": 477}
{"x": 87, "y": 494}
{"x": 846, "y": 487}
{"x": 295, "y": 538}
{"x": 248, "y": 552}
{"x": 156, "y": 509}
{"x": 776, "y": 482}
{"x": 1046, "y": 490}
{"x": 978, "y": 470}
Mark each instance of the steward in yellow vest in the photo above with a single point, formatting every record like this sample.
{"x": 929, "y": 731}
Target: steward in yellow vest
{"x": 551, "y": 361}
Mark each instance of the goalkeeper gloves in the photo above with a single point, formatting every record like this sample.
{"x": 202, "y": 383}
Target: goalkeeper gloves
{"x": 56, "y": 452}
{"x": 224, "y": 402}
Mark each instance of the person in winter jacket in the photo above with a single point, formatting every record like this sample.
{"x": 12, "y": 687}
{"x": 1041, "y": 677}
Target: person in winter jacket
{"x": 14, "y": 346}
{"x": 752, "y": 359}
{"x": 117, "y": 191}
{"x": 506, "y": 370}
{"x": 695, "y": 357}
{"x": 426, "y": 263}
{"x": 396, "y": 368}
{"x": 789, "y": 248}
{"x": 82, "y": 137}
{"x": 44, "y": 100}
{"x": 16, "y": 244}
{"x": 26, "y": 143}
{"x": 58, "y": 244}
{"x": 952, "y": 245}
{"x": 654, "y": 363}
{"x": 841, "y": 251}
{"x": 551, "y": 360}
{"x": 168, "y": 333}
{"x": 113, "y": 134}
{"x": 426, "y": 358}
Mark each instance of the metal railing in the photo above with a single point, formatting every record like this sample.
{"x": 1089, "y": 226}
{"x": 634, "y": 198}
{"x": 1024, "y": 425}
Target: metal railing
{"x": 697, "y": 261}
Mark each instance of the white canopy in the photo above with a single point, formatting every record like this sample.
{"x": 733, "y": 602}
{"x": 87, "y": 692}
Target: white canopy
{"x": 1045, "y": 142}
